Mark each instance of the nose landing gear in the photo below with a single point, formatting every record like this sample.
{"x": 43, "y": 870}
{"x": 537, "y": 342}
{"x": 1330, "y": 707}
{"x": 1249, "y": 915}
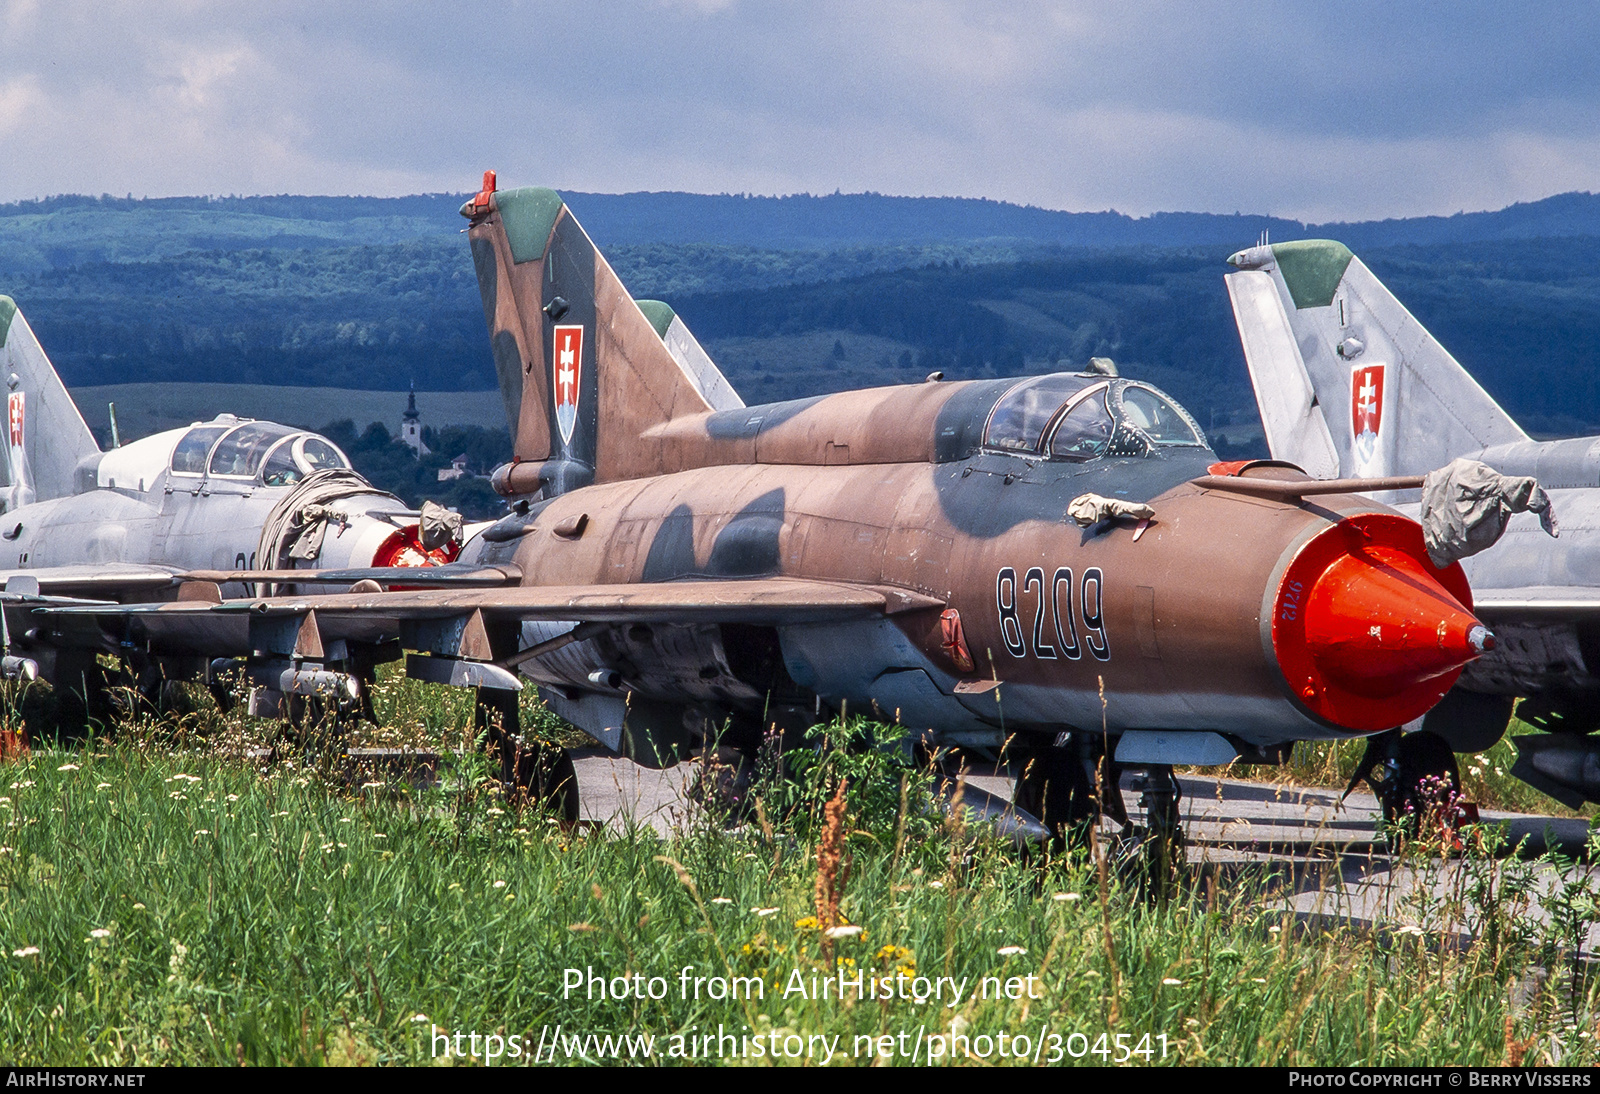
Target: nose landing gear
{"x": 1160, "y": 796}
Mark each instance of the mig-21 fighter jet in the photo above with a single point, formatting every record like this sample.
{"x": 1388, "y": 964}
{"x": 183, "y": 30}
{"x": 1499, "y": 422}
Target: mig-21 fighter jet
{"x": 119, "y": 525}
{"x": 1349, "y": 383}
{"x": 1050, "y": 571}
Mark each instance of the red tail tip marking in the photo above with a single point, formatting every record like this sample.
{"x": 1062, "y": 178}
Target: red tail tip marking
{"x": 488, "y": 188}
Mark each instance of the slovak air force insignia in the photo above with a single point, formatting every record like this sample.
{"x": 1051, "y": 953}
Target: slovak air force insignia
{"x": 16, "y": 405}
{"x": 1366, "y": 410}
{"x": 568, "y": 378}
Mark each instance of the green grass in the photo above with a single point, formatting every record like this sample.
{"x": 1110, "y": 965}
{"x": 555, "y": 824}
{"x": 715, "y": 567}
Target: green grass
{"x": 279, "y": 918}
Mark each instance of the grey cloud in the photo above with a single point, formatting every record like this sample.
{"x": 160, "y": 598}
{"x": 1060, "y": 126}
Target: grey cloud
{"x": 1360, "y": 109}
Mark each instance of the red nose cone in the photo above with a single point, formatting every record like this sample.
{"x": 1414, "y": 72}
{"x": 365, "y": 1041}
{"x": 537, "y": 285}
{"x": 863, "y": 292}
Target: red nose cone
{"x": 1368, "y": 633}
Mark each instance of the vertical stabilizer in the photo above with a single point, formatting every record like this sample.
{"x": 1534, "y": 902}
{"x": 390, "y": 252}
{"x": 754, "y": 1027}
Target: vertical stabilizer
{"x": 1389, "y": 398}
{"x": 46, "y": 437}
{"x": 583, "y": 370}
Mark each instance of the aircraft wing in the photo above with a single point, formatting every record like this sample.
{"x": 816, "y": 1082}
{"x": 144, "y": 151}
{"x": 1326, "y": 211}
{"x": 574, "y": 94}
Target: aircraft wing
{"x": 452, "y": 575}
{"x": 97, "y": 580}
{"x": 453, "y": 622}
{"x": 1546, "y": 602}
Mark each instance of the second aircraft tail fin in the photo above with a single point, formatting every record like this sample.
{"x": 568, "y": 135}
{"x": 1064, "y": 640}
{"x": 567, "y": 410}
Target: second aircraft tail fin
{"x": 1349, "y": 384}
{"x": 46, "y": 437}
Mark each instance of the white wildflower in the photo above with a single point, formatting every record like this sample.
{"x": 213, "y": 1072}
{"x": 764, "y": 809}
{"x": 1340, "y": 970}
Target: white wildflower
{"x": 848, "y": 930}
{"x": 1011, "y": 951}
{"x": 67, "y": 767}
{"x": 1068, "y": 896}
{"x": 763, "y": 912}
{"x": 26, "y": 951}
{"x": 1172, "y": 982}
{"x": 722, "y": 900}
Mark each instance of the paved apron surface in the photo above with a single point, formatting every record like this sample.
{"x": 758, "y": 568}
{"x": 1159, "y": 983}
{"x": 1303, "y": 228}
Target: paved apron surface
{"x": 1330, "y": 862}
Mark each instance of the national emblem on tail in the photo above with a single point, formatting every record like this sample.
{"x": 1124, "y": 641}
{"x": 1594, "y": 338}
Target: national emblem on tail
{"x": 1349, "y": 384}
{"x": 585, "y": 370}
{"x": 46, "y": 437}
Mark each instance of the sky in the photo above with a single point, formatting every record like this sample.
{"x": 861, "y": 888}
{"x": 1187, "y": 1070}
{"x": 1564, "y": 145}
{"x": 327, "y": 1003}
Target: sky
{"x": 1316, "y": 111}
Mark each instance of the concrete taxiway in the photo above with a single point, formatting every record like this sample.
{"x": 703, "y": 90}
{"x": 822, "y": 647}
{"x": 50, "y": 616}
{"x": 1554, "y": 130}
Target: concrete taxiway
{"x": 1327, "y": 863}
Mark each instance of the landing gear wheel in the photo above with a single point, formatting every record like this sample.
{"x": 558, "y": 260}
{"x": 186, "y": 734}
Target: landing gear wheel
{"x": 1068, "y": 787}
{"x": 1420, "y": 779}
{"x": 531, "y": 772}
{"x": 544, "y": 774}
{"x": 1164, "y": 850}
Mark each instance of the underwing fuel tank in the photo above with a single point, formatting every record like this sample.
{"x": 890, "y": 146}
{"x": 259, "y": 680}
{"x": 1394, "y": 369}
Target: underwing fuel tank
{"x": 1368, "y": 634}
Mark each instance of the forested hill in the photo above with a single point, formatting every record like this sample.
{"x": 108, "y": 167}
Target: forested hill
{"x": 793, "y": 296}
{"x": 71, "y": 230}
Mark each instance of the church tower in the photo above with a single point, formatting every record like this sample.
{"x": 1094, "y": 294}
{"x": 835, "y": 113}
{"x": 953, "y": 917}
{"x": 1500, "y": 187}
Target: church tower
{"x": 411, "y": 425}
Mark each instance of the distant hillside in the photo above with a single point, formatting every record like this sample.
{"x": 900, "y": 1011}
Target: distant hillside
{"x": 67, "y": 231}
{"x": 793, "y": 295}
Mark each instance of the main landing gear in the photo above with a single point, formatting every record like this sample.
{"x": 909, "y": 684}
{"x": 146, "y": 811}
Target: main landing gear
{"x": 1415, "y": 778}
{"x": 1068, "y": 785}
{"x": 531, "y": 772}
{"x": 1072, "y": 783}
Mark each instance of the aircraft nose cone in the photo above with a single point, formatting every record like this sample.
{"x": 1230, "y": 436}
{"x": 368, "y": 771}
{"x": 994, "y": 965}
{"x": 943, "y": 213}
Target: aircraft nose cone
{"x": 1368, "y": 633}
{"x": 1380, "y": 625}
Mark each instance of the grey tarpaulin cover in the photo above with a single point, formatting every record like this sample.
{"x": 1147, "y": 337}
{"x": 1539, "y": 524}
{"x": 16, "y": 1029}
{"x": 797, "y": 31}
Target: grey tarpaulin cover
{"x": 1089, "y": 509}
{"x": 439, "y": 526}
{"x": 1465, "y": 508}
{"x": 295, "y": 527}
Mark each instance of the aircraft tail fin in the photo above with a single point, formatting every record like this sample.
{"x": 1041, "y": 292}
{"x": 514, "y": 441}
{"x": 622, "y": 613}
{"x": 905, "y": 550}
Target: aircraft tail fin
{"x": 46, "y": 437}
{"x": 583, "y": 370}
{"x": 1349, "y": 384}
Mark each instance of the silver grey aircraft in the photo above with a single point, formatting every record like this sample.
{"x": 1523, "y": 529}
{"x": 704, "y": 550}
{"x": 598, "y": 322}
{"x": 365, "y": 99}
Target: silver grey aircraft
{"x": 118, "y": 525}
{"x": 1349, "y": 384}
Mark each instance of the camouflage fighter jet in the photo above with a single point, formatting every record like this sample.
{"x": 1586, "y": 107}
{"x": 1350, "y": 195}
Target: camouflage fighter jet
{"x": 1349, "y": 383}
{"x": 1051, "y": 571}
{"x": 119, "y": 525}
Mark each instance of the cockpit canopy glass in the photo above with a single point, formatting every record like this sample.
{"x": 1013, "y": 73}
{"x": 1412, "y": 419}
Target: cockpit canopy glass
{"x": 297, "y": 457}
{"x": 1019, "y": 419}
{"x": 189, "y": 458}
{"x": 239, "y": 454}
{"x": 1085, "y": 430}
{"x": 1082, "y": 417}
{"x": 1158, "y": 419}
{"x": 280, "y": 454}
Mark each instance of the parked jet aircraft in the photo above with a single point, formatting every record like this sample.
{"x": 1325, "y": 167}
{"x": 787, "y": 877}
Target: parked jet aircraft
{"x": 1350, "y": 384}
{"x": 1050, "y": 569}
{"x": 231, "y": 492}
